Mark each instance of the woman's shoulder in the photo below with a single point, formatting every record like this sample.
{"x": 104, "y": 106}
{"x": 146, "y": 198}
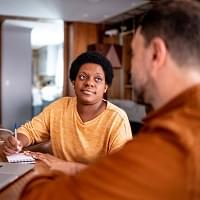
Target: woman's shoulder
{"x": 116, "y": 109}
{"x": 62, "y": 102}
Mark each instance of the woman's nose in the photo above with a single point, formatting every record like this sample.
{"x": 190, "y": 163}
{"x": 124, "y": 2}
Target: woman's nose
{"x": 89, "y": 82}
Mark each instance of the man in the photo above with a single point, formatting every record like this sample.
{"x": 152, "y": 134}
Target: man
{"x": 163, "y": 162}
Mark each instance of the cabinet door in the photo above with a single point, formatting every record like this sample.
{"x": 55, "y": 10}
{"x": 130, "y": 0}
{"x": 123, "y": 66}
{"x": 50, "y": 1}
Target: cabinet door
{"x": 127, "y": 65}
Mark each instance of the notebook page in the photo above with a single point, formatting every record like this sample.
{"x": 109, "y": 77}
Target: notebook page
{"x": 20, "y": 158}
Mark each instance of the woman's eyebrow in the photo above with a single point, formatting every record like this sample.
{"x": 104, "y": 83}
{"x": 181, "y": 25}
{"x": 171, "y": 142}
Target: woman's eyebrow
{"x": 100, "y": 74}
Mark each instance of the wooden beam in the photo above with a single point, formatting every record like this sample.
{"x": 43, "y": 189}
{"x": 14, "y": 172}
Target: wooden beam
{"x": 1, "y": 22}
{"x": 66, "y": 59}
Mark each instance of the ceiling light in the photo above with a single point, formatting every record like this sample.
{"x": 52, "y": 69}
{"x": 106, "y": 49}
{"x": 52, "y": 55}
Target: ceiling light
{"x": 137, "y": 3}
{"x": 93, "y": 1}
{"x": 111, "y": 32}
{"x": 85, "y": 15}
{"x": 105, "y": 16}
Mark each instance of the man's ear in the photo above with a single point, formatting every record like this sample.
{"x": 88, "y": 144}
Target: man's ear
{"x": 73, "y": 83}
{"x": 159, "y": 52}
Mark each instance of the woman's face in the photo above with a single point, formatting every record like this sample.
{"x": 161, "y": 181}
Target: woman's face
{"x": 90, "y": 84}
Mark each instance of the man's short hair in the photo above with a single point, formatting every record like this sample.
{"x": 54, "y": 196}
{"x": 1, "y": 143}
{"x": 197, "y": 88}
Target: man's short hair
{"x": 92, "y": 57}
{"x": 178, "y": 24}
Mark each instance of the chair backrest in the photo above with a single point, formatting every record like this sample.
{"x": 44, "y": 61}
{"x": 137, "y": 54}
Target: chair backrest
{"x": 135, "y": 127}
{"x": 44, "y": 147}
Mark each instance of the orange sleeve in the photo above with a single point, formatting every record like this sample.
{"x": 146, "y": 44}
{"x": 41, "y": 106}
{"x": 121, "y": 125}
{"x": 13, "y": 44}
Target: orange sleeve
{"x": 131, "y": 173}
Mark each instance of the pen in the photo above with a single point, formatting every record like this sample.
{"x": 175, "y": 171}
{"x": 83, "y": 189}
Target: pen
{"x": 15, "y": 131}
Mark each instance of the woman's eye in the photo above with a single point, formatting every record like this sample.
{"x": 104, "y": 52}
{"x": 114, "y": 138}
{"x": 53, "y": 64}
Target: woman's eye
{"x": 82, "y": 77}
{"x": 98, "y": 79}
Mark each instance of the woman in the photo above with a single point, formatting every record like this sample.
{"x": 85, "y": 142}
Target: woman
{"x": 82, "y": 128}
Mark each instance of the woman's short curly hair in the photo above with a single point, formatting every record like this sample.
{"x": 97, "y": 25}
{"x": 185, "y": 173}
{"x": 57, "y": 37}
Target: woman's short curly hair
{"x": 92, "y": 57}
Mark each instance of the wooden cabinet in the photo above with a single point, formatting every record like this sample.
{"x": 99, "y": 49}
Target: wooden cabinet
{"x": 126, "y": 60}
{"x": 116, "y": 90}
{"x": 121, "y": 87}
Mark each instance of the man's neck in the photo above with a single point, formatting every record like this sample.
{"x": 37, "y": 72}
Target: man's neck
{"x": 179, "y": 82}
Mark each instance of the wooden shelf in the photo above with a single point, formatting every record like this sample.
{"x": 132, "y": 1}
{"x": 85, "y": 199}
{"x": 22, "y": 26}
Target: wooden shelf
{"x": 128, "y": 86}
{"x": 127, "y": 65}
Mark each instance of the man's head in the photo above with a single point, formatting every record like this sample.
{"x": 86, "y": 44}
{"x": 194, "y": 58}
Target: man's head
{"x": 167, "y": 35}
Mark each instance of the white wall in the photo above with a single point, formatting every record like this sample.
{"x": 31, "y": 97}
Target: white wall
{"x": 47, "y": 60}
{"x": 16, "y": 75}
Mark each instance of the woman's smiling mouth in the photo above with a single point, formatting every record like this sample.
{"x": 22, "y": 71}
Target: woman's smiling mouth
{"x": 88, "y": 92}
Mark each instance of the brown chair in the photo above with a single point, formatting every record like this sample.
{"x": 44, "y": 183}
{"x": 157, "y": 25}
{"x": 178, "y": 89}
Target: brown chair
{"x": 44, "y": 147}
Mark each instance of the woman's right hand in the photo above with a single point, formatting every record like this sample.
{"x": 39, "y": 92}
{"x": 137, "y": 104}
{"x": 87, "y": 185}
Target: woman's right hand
{"x": 11, "y": 145}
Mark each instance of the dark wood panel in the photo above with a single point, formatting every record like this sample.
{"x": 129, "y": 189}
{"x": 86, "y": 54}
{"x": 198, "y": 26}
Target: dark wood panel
{"x": 0, "y": 70}
{"x": 78, "y": 37}
{"x": 66, "y": 59}
{"x": 127, "y": 65}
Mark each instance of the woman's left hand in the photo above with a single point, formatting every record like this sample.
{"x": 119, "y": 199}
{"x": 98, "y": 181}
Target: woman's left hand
{"x": 55, "y": 163}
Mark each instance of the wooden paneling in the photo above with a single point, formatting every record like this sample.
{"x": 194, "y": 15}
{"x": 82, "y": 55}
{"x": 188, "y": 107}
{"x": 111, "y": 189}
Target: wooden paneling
{"x": 84, "y": 34}
{"x": 112, "y": 52}
{"x": 0, "y": 68}
{"x": 77, "y": 37}
{"x": 66, "y": 59}
{"x": 111, "y": 40}
{"x": 127, "y": 65}
{"x": 116, "y": 89}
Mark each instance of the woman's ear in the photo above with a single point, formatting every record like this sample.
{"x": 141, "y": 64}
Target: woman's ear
{"x": 106, "y": 88}
{"x": 73, "y": 83}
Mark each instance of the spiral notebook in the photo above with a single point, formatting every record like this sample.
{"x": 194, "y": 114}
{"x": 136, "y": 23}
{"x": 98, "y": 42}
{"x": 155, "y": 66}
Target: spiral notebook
{"x": 20, "y": 158}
